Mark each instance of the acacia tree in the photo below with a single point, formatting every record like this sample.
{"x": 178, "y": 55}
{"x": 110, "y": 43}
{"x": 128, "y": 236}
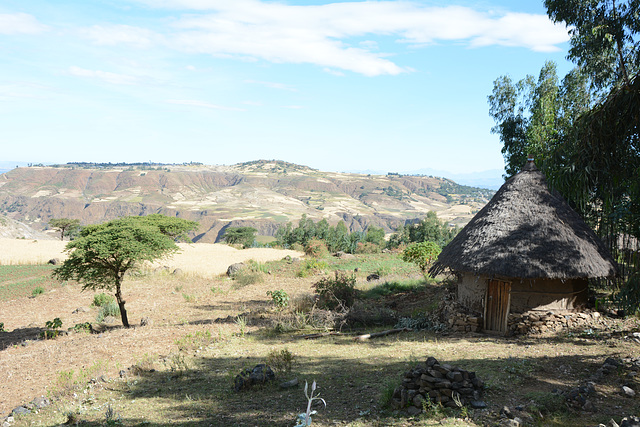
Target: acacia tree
{"x": 244, "y": 236}
{"x": 66, "y": 226}
{"x": 101, "y": 256}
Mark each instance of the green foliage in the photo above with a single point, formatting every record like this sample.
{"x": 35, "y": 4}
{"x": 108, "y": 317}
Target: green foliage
{"x": 421, "y": 254}
{"x": 52, "y": 329}
{"x": 2, "y": 329}
{"x": 279, "y": 298}
{"x": 67, "y": 227}
{"x": 39, "y": 290}
{"x": 246, "y": 277}
{"x": 102, "y": 299}
{"x": 312, "y": 266}
{"x": 394, "y": 287}
{"x": 545, "y": 402}
{"x": 101, "y": 256}
{"x": 244, "y": 236}
{"x": 338, "y": 292}
{"x": 430, "y": 228}
{"x": 111, "y": 308}
{"x": 82, "y": 327}
{"x": 281, "y": 361}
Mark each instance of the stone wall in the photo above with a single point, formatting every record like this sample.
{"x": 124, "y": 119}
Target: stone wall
{"x": 535, "y": 322}
{"x": 437, "y": 383}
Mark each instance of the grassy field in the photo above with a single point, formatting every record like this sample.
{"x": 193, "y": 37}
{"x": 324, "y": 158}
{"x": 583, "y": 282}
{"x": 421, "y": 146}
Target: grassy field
{"x": 205, "y": 329}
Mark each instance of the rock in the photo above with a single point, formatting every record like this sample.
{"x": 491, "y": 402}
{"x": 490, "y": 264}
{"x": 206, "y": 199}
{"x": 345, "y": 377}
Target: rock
{"x": 40, "y": 402}
{"x": 260, "y": 374}
{"x": 289, "y": 384}
{"x": 234, "y": 268}
{"x": 413, "y": 411}
{"x": 373, "y": 277}
{"x": 54, "y": 261}
{"x": 628, "y": 391}
{"x": 478, "y": 404}
{"x": 145, "y": 321}
{"x": 630, "y": 422}
{"x": 20, "y": 410}
{"x": 506, "y": 412}
{"x": 80, "y": 310}
{"x": 177, "y": 272}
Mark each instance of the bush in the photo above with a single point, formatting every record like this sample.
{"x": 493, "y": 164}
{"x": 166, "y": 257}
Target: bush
{"x": 52, "y": 329}
{"x": 367, "y": 248}
{"x": 37, "y": 291}
{"x": 316, "y": 248}
{"x": 110, "y": 309}
{"x": 281, "y": 361}
{"x": 421, "y": 254}
{"x": 102, "y": 299}
{"x": 247, "y": 277}
{"x": 279, "y": 298}
{"x": 339, "y": 292}
{"x": 311, "y": 266}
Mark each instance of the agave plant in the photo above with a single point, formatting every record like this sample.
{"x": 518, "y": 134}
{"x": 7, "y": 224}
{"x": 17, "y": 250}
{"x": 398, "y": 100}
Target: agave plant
{"x": 304, "y": 419}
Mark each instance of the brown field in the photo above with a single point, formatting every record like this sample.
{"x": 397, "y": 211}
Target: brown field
{"x": 206, "y": 328}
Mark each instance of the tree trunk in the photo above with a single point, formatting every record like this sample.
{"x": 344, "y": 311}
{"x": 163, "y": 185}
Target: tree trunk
{"x": 123, "y": 311}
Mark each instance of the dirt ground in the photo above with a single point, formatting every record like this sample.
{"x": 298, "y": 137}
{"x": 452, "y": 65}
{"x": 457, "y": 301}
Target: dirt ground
{"x": 185, "y": 304}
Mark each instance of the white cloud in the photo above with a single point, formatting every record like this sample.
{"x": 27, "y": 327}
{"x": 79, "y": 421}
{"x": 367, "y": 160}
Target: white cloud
{"x": 20, "y": 23}
{"x": 105, "y": 76}
{"x": 111, "y": 35}
{"x": 330, "y": 35}
{"x": 201, "y": 104}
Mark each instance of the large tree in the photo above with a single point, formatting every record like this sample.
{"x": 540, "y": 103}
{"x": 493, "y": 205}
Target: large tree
{"x": 101, "y": 256}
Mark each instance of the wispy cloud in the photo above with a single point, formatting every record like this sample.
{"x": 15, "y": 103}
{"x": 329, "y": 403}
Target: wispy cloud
{"x": 20, "y": 23}
{"x": 109, "y": 35}
{"x": 105, "y": 76}
{"x": 326, "y": 35}
{"x": 201, "y": 104}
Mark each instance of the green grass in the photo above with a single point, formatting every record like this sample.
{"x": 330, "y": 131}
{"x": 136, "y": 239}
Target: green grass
{"x": 20, "y": 280}
{"x": 394, "y": 287}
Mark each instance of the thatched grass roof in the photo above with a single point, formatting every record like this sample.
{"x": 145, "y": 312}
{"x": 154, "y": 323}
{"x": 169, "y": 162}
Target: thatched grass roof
{"x": 527, "y": 232}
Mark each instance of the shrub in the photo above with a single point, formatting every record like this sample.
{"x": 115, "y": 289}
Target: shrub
{"x": 102, "y": 299}
{"x": 281, "y": 361}
{"x": 52, "y": 329}
{"x": 2, "y": 329}
{"x": 311, "y": 266}
{"x": 421, "y": 254}
{"x": 339, "y": 292}
{"x": 279, "y": 298}
{"x": 247, "y": 277}
{"x": 110, "y": 309}
{"x": 37, "y": 291}
{"x": 316, "y": 248}
{"x": 367, "y": 248}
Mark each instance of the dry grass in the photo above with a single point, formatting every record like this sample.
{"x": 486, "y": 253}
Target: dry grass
{"x": 212, "y": 259}
{"x": 28, "y": 252}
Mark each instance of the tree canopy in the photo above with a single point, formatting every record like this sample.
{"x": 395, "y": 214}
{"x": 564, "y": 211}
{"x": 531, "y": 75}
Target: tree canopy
{"x": 101, "y": 256}
{"x": 244, "y": 236}
{"x": 67, "y": 227}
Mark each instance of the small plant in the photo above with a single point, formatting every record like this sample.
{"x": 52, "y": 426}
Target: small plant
{"x": 111, "y": 417}
{"x": 312, "y": 266}
{"x": 102, "y": 299}
{"x": 2, "y": 329}
{"x": 198, "y": 339}
{"x": 282, "y": 361}
{"x": 241, "y": 321}
{"x": 177, "y": 362}
{"x": 304, "y": 419}
{"x": 189, "y": 298}
{"x": 82, "y": 327}
{"x": 145, "y": 364}
{"x": 110, "y": 309}
{"x": 279, "y": 298}
{"x": 39, "y": 290}
{"x": 339, "y": 292}
{"x": 52, "y": 329}
{"x": 247, "y": 277}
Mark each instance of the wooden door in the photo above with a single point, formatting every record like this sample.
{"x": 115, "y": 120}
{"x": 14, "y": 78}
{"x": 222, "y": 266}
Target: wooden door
{"x": 496, "y": 306}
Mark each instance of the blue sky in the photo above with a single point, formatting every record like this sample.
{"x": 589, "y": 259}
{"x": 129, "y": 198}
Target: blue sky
{"x": 342, "y": 85}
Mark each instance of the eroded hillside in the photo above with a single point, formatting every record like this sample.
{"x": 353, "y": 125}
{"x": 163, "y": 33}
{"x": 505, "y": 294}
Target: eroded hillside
{"x": 262, "y": 194}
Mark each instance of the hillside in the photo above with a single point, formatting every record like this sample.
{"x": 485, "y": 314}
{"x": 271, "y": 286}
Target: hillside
{"x": 262, "y": 194}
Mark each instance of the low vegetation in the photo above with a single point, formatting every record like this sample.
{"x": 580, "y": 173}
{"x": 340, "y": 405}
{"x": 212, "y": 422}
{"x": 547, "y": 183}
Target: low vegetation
{"x": 180, "y": 367}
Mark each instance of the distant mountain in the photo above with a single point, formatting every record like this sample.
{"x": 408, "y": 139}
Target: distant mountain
{"x": 7, "y": 166}
{"x": 263, "y": 194}
{"x": 490, "y": 179}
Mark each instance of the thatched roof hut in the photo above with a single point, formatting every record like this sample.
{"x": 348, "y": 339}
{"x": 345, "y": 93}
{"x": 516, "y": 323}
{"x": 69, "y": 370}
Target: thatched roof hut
{"x": 530, "y": 238}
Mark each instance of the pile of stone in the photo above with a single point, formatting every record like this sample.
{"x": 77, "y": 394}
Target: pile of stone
{"x": 461, "y": 322}
{"x": 260, "y": 374}
{"x": 437, "y": 383}
{"x": 533, "y": 322}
